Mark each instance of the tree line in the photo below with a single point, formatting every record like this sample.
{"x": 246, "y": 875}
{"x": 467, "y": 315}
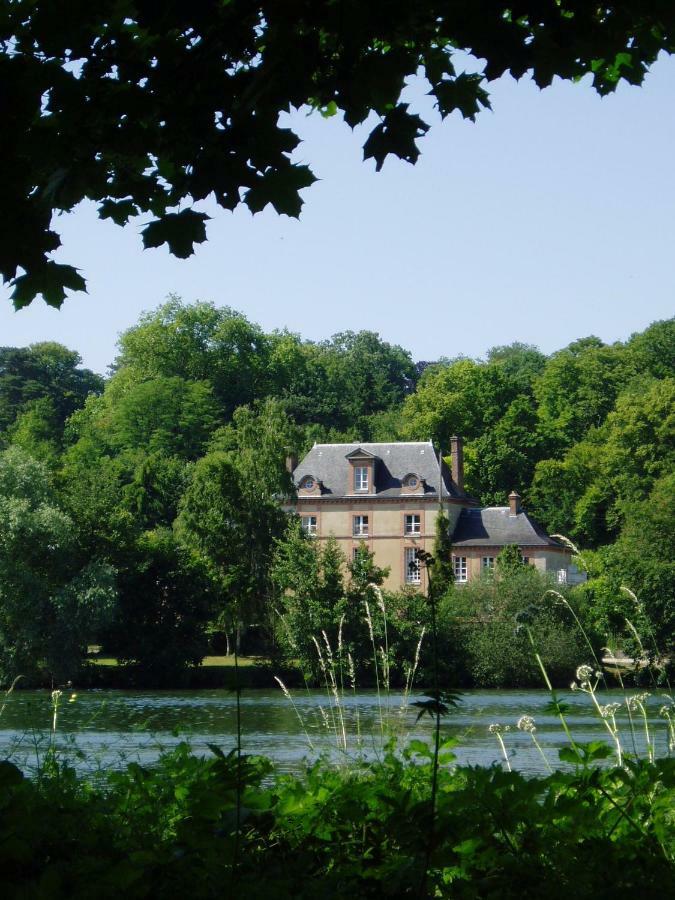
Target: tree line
{"x": 141, "y": 511}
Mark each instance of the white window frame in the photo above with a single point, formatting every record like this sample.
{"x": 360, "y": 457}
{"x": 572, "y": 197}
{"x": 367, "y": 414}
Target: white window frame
{"x": 360, "y": 526}
{"x": 309, "y": 524}
{"x": 361, "y": 479}
{"x": 561, "y": 575}
{"x": 460, "y": 569}
{"x": 487, "y": 564}
{"x": 413, "y": 574}
{"x": 412, "y": 523}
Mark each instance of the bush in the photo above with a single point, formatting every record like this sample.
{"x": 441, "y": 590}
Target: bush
{"x": 209, "y": 828}
{"x": 482, "y": 643}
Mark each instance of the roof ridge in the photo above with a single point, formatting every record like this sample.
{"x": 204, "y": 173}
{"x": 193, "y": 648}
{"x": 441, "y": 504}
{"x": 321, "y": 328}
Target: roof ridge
{"x": 374, "y": 443}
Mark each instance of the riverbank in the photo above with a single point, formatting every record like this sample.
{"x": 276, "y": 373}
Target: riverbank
{"x": 194, "y": 827}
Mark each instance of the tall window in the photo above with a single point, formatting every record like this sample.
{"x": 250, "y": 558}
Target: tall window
{"x": 360, "y": 478}
{"x": 562, "y": 576}
{"x": 412, "y": 524}
{"x": 360, "y": 526}
{"x": 487, "y": 564}
{"x": 309, "y": 524}
{"x": 459, "y": 565}
{"x": 413, "y": 573}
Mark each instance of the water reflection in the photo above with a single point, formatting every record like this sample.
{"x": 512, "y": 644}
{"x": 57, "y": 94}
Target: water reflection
{"x": 103, "y": 729}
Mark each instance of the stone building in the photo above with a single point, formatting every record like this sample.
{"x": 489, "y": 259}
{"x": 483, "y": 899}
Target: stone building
{"x": 388, "y": 496}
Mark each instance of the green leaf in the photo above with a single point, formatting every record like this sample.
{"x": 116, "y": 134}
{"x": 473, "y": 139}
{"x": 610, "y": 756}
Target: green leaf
{"x": 51, "y": 281}
{"x": 280, "y": 187}
{"x": 420, "y": 747}
{"x": 464, "y": 93}
{"x": 120, "y": 211}
{"x": 181, "y": 231}
{"x": 396, "y": 135}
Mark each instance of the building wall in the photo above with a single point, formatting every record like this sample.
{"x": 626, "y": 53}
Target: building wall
{"x": 546, "y": 560}
{"x": 386, "y": 538}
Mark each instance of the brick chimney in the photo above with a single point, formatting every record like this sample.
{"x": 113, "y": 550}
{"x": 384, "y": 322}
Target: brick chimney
{"x": 457, "y": 461}
{"x": 514, "y": 503}
{"x": 291, "y": 463}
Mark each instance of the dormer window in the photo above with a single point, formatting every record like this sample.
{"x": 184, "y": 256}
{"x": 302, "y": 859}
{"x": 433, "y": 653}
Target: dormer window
{"x": 309, "y": 485}
{"x": 412, "y": 484}
{"x": 361, "y": 479}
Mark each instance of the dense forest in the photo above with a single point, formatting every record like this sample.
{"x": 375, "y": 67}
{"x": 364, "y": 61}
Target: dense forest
{"x": 141, "y": 512}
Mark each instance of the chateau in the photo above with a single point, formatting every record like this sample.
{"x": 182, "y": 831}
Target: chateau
{"x": 389, "y": 495}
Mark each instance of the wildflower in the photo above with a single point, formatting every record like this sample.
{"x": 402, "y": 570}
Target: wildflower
{"x": 526, "y": 723}
{"x": 56, "y": 696}
{"x": 584, "y": 673}
{"x": 609, "y": 711}
{"x": 666, "y": 710}
{"x": 574, "y": 686}
{"x": 636, "y": 702}
{"x": 496, "y": 728}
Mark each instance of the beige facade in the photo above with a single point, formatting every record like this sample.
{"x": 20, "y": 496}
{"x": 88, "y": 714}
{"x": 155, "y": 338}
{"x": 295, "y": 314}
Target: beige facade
{"x": 389, "y": 532}
{"x": 546, "y": 560}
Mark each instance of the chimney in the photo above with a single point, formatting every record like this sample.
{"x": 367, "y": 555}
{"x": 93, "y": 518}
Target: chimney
{"x": 457, "y": 461}
{"x": 514, "y": 503}
{"x": 291, "y": 463}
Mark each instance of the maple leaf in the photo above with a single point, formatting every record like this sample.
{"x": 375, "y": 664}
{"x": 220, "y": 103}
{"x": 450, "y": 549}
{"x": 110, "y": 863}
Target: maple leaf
{"x": 181, "y": 231}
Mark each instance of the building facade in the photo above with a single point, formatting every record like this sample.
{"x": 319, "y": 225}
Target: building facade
{"x": 388, "y": 496}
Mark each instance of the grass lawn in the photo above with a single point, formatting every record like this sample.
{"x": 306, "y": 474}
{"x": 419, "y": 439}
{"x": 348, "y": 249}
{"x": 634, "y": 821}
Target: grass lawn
{"x": 209, "y": 661}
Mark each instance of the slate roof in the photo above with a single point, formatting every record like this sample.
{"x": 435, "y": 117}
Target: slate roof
{"x": 328, "y": 464}
{"x": 493, "y": 526}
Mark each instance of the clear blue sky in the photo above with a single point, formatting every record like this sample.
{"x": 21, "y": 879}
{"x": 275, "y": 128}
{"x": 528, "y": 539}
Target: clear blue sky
{"x": 551, "y": 218}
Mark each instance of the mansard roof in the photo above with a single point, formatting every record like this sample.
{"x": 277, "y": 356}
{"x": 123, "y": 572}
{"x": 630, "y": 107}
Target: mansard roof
{"x": 330, "y": 464}
{"x": 494, "y": 526}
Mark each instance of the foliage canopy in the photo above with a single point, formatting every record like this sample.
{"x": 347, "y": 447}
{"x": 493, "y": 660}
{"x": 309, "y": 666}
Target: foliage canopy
{"x": 89, "y": 98}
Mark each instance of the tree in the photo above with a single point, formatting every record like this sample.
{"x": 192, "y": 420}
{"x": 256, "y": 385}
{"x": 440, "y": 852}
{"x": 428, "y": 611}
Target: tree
{"x": 578, "y": 388}
{"x": 45, "y": 371}
{"x": 199, "y": 342}
{"x": 90, "y": 101}
{"x": 587, "y": 493}
{"x": 166, "y": 601}
{"x": 441, "y": 572}
{"x": 311, "y": 600}
{"x": 50, "y": 603}
{"x": 231, "y": 514}
{"x": 480, "y": 625}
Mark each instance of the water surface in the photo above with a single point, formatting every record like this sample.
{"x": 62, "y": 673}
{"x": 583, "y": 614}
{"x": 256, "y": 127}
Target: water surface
{"x": 107, "y": 728}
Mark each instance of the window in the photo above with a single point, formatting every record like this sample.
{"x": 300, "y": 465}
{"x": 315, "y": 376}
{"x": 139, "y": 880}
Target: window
{"x": 360, "y": 478}
{"x": 360, "y": 526}
{"x": 309, "y": 524}
{"x": 487, "y": 564}
{"x": 562, "y": 576}
{"x": 459, "y": 565}
{"x": 355, "y": 553}
{"x": 412, "y": 524}
{"x": 413, "y": 573}
{"x": 307, "y": 483}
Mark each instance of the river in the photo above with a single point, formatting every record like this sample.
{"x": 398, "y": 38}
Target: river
{"x": 104, "y": 729}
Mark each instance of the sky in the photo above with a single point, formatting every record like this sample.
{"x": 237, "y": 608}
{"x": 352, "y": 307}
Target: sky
{"x": 549, "y": 219}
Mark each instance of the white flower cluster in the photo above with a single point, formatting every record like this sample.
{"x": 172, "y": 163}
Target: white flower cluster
{"x": 526, "y": 723}
{"x": 496, "y": 728}
{"x": 583, "y": 682}
{"x": 610, "y": 710}
{"x": 636, "y": 702}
